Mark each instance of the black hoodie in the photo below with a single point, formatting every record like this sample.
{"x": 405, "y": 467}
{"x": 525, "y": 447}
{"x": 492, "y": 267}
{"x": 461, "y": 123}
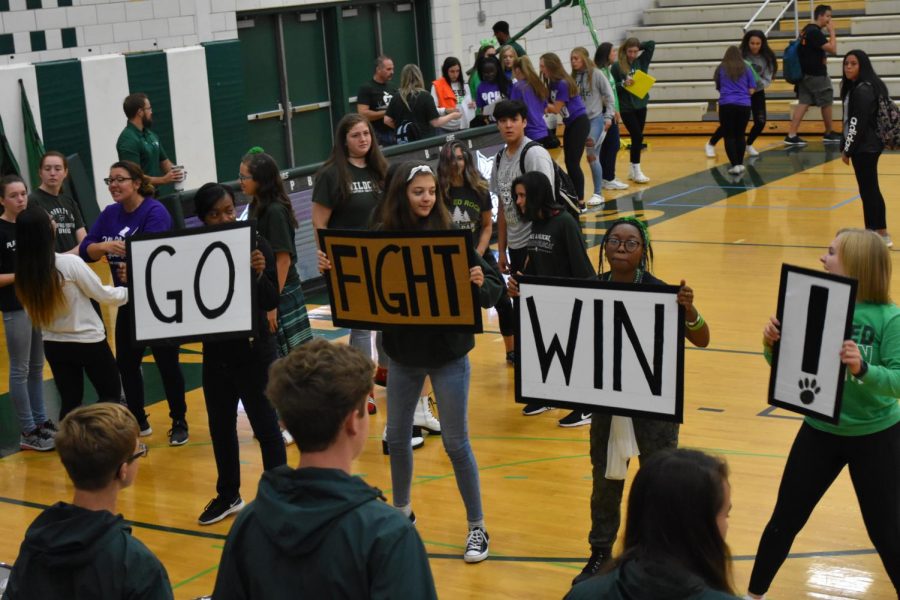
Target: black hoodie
{"x": 320, "y": 533}
{"x": 71, "y": 553}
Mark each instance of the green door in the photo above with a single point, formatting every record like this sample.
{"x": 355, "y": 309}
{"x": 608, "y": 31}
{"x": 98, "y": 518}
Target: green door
{"x": 358, "y": 47}
{"x": 308, "y": 86}
{"x": 398, "y": 34}
{"x": 262, "y": 83}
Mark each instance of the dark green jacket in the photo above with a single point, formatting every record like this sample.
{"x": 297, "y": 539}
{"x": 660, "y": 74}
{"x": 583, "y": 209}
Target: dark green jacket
{"x": 71, "y": 553}
{"x": 413, "y": 347}
{"x": 320, "y": 533}
{"x": 636, "y": 580}
{"x": 628, "y": 102}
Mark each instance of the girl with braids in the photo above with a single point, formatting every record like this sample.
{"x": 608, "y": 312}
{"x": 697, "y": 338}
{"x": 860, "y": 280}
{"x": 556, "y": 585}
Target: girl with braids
{"x": 23, "y": 339}
{"x": 413, "y": 203}
{"x": 134, "y": 211}
{"x": 276, "y": 222}
{"x": 556, "y": 248}
{"x": 346, "y": 192}
{"x": 492, "y": 88}
{"x": 626, "y": 246}
{"x": 467, "y": 197}
{"x": 56, "y": 291}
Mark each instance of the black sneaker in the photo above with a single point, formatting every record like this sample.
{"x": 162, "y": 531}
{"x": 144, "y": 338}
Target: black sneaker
{"x": 476, "y": 545}
{"x": 831, "y": 138}
{"x": 219, "y": 508}
{"x": 511, "y": 357}
{"x": 576, "y": 418}
{"x": 178, "y": 435}
{"x": 795, "y": 140}
{"x": 535, "y": 409}
{"x": 594, "y": 564}
{"x": 144, "y": 427}
{"x": 412, "y": 518}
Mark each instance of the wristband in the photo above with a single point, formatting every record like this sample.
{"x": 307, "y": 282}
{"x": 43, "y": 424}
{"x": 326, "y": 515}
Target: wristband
{"x": 863, "y": 369}
{"x": 697, "y": 324}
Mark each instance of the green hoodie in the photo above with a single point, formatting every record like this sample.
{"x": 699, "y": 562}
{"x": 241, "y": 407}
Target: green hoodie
{"x": 72, "y": 553}
{"x": 628, "y": 102}
{"x": 320, "y": 533}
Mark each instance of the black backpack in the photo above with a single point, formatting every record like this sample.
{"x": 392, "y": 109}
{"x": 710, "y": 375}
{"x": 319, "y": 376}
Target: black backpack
{"x": 563, "y": 188}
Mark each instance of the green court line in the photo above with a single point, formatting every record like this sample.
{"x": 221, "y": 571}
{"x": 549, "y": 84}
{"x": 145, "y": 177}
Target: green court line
{"x": 197, "y": 576}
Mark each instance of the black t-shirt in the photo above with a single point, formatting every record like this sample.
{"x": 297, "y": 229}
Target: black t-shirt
{"x": 64, "y": 212}
{"x": 812, "y": 57}
{"x": 466, "y": 207}
{"x": 376, "y": 96}
{"x": 421, "y": 111}
{"x": 275, "y": 226}
{"x": 556, "y": 248}
{"x": 8, "y": 300}
{"x": 356, "y": 213}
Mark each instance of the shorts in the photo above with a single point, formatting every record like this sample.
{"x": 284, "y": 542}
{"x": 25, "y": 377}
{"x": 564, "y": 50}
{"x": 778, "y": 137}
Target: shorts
{"x": 815, "y": 90}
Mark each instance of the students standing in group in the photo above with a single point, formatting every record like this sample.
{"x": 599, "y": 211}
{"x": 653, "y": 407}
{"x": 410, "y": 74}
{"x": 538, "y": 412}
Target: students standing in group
{"x": 605, "y": 56}
{"x": 134, "y": 211}
{"x": 531, "y": 91}
{"x": 413, "y": 203}
{"x": 626, "y": 248}
{"x": 597, "y": 95}
{"x": 451, "y": 92}
{"x": 23, "y": 340}
{"x": 70, "y": 229}
{"x": 634, "y": 55}
{"x": 56, "y": 291}
{"x": 867, "y": 436}
{"x": 756, "y": 51}
{"x": 860, "y": 90}
{"x": 734, "y": 80}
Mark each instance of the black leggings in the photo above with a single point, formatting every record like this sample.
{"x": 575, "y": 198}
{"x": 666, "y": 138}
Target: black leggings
{"x": 815, "y": 461}
{"x": 634, "y": 121}
{"x": 733, "y": 121}
{"x": 574, "y": 139}
{"x": 69, "y": 361}
{"x": 505, "y": 312}
{"x": 609, "y": 149}
{"x": 758, "y": 114}
{"x": 129, "y": 357}
{"x": 865, "y": 167}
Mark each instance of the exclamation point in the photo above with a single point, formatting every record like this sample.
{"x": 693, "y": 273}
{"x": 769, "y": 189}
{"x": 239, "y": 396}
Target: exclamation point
{"x": 815, "y": 326}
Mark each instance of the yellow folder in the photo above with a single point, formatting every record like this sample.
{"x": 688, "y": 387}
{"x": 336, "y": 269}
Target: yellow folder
{"x": 642, "y": 84}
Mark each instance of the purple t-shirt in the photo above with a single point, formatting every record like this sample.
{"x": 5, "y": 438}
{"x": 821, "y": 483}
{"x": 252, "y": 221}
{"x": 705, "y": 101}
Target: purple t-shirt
{"x": 488, "y": 92}
{"x": 116, "y": 224}
{"x": 535, "y": 128}
{"x": 736, "y": 92}
{"x": 574, "y": 105}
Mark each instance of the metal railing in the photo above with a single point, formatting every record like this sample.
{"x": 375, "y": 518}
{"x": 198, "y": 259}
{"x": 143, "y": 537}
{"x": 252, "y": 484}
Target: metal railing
{"x": 781, "y": 14}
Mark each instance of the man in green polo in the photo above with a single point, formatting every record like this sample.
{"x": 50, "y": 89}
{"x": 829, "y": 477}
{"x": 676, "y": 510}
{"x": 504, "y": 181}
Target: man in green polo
{"x": 139, "y": 144}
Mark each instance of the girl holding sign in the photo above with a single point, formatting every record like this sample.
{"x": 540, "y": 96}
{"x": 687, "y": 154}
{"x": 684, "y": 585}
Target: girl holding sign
{"x": 56, "y": 291}
{"x": 413, "y": 203}
{"x": 626, "y": 246}
{"x": 236, "y": 370}
{"x": 633, "y": 56}
{"x": 134, "y": 211}
{"x": 867, "y": 438}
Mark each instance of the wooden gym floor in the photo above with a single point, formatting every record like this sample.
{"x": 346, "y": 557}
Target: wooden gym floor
{"x": 727, "y": 238}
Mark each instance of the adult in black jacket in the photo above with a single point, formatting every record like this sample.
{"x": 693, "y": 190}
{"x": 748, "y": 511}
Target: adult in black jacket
{"x": 238, "y": 370}
{"x": 860, "y": 90}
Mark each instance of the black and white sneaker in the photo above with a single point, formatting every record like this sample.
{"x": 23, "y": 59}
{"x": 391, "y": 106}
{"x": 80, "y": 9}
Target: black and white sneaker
{"x": 794, "y": 140}
{"x": 178, "y": 435}
{"x": 49, "y": 428}
{"x": 535, "y": 409}
{"x": 144, "y": 427}
{"x": 576, "y": 418}
{"x": 594, "y": 564}
{"x": 831, "y": 137}
{"x": 219, "y": 508}
{"x": 476, "y": 545}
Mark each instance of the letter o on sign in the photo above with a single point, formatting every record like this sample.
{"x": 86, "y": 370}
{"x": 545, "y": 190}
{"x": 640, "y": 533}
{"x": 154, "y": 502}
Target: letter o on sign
{"x": 212, "y": 313}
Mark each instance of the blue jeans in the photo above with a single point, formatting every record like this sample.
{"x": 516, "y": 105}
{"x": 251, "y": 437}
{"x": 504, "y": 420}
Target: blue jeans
{"x": 26, "y": 369}
{"x": 361, "y": 339}
{"x": 597, "y": 133}
{"x": 451, "y": 390}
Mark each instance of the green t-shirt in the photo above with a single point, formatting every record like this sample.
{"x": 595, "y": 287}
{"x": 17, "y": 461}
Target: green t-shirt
{"x": 275, "y": 226}
{"x": 364, "y": 192}
{"x": 144, "y": 148}
{"x": 65, "y": 214}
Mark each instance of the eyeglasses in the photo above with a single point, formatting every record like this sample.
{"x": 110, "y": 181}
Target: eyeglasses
{"x": 143, "y": 451}
{"x": 245, "y": 177}
{"x": 117, "y": 180}
{"x": 630, "y": 245}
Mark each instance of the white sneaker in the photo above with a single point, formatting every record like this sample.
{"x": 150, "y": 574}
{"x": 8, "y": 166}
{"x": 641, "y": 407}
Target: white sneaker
{"x": 424, "y": 418}
{"x": 710, "y": 151}
{"x": 734, "y": 170}
{"x": 751, "y": 151}
{"x": 416, "y": 442}
{"x": 741, "y": 169}
{"x": 636, "y": 175}
{"x": 287, "y": 437}
{"x": 596, "y": 200}
{"x": 614, "y": 184}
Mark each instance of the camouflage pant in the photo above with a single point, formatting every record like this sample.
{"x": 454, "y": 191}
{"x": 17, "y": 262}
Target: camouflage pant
{"x": 606, "y": 496}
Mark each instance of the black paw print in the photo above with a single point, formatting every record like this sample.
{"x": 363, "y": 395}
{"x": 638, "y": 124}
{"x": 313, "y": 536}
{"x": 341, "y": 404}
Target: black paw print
{"x": 808, "y": 390}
